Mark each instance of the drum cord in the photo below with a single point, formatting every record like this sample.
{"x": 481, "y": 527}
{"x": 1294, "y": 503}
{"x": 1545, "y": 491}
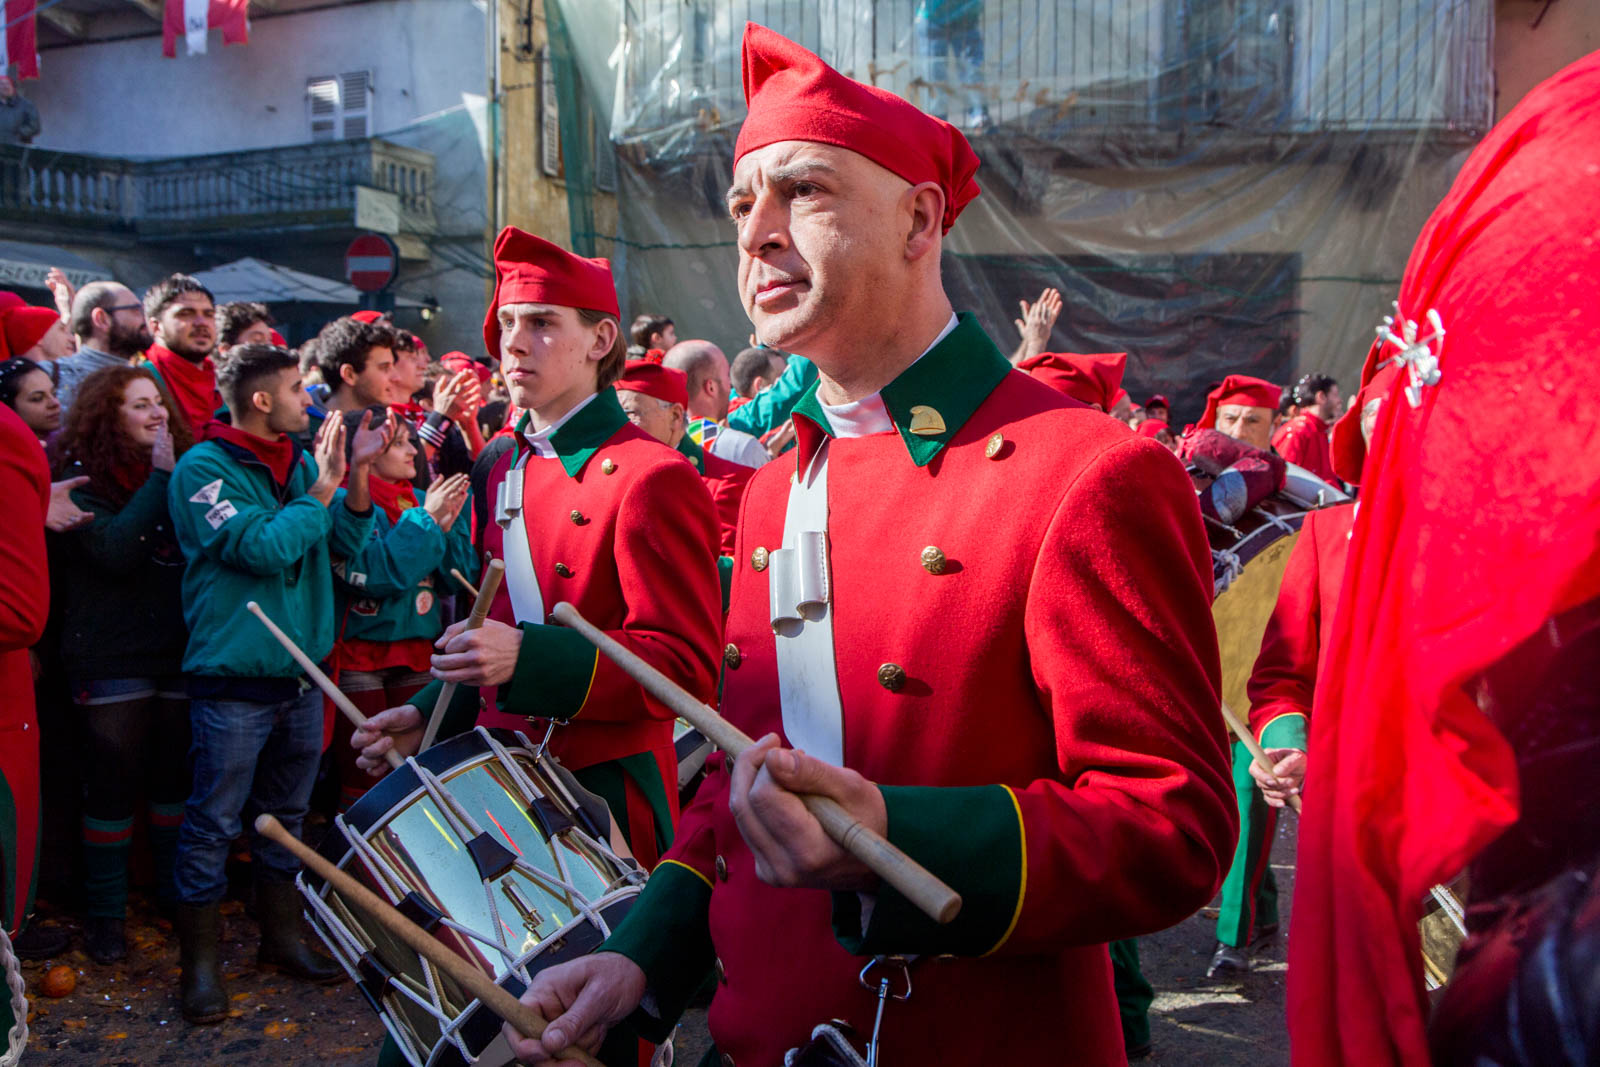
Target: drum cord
{"x": 17, "y": 1040}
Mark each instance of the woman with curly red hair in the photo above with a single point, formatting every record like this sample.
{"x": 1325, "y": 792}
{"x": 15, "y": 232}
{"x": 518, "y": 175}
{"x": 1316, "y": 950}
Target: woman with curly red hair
{"x": 119, "y": 593}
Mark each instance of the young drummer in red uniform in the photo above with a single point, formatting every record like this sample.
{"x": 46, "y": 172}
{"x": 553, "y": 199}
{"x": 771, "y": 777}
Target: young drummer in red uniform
{"x": 586, "y": 508}
{"x": 975, "y": 616}
{"x": 656, "y": 399}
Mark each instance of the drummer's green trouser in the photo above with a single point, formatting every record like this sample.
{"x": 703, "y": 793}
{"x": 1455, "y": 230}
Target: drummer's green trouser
{"x": 1250, "y": 893}
{"x": 1134, "y": 994}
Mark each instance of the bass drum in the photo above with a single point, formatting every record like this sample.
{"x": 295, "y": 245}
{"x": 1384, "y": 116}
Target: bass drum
{"x": 1248, "y": 558}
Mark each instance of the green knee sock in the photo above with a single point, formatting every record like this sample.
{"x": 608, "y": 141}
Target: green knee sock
{"x": 105, "y": 859}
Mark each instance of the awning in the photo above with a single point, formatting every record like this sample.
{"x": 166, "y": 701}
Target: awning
{"x": 268, "y": 283}
{"x": 24, "y": 265}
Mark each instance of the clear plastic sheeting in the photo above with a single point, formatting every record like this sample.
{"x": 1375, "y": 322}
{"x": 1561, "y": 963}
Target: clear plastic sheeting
{"x": 1215, "y": 187}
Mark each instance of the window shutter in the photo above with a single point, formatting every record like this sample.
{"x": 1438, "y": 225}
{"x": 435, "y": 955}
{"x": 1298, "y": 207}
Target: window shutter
{"x": 605, "y": 159}
{"x": 356, "y": 96}
{"x": 322, "y": 96}
{"x": 549, "y": 117}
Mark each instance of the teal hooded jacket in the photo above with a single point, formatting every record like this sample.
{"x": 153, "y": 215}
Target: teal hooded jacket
{"x": 245, "y": 537}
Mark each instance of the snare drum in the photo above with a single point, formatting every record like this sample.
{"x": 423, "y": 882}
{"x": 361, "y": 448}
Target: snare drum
{"x": 1248, "y": 557}
{"x": 496, "y": 851}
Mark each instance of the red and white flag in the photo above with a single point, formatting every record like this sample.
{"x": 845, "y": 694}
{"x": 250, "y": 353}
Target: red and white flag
{"x": 18, "y": 43}
{"x": 191, "y": 19}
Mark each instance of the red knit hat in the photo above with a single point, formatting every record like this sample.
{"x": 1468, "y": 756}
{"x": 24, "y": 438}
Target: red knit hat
{"x": 531, "y": 270}
{"x": 652, "y": 379}
{"x": 794, "y": 96}
{"x": 1093, "y": 378}
{"x": 8, "y": 300}
{"x": 1349, "y": 446}
{"x": 1151, "y": 427}
{"x": 368, "y": 317}
{"x": 25, "y": 326}
{"x": 456, "y": 362}
{"x": 1239, "y": 389}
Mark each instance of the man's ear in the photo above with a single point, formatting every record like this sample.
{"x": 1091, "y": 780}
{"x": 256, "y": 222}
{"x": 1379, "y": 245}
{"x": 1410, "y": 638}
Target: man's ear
{"x": 261, "y": 400}
{"x": 605, "y": 335}
{"x": 927, "y": 219}
{"x": 348, "y": 373}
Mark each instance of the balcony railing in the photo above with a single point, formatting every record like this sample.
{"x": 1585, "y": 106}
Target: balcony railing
{"x": 1051, "y": 69}
{"x": 303, "y": 187}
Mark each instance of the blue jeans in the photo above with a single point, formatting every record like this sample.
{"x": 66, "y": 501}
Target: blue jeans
{"x": 249, "y": 759}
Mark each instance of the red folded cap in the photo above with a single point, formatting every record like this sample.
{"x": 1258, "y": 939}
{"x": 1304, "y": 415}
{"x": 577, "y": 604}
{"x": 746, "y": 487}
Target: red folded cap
{"x": 1158, "y": 399}
{"x": 794, "y": 96}
{"x": 1151, "y": 427}
{"x": 24, "y": 326}
{"x": 279, "y": 340}
{"x": 531, "y": 270}
{"x": 1239, "y": 389}
{"x": 652, "y": 379}
{"x": 456, "y": 362}
{"x": 367, "y": 316}
{"x": 1349, "y": 447}
{"x": 1093, "y": 378}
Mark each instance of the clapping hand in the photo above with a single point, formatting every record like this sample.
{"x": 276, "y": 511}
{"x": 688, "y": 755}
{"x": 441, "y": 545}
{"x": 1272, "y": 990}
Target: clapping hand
{"x": 64, "y": 515}
{"x": 162, "y": 455}
{"x": 445, "y": 498}
{"x": 370, "y": 442}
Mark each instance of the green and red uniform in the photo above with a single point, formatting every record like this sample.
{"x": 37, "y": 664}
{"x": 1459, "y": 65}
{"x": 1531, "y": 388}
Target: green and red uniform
{"x": 24, "y": 608}
{"x": 621, "y": 527}
{"x": 1025, "y": 663}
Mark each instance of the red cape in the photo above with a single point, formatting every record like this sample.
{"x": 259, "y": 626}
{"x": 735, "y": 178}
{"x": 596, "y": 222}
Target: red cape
{"x": 1472, "y": 532}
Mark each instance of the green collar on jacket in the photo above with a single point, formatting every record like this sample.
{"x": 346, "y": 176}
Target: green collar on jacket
{"x": 696, "y": 454}
{"x": 585, "y": 432}
{"x": 934, "y": 397}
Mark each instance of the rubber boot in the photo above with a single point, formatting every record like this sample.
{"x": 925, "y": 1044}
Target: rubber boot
{"x": 200, "y": 988}
{"x": 105, "y": 939}
{"x": 282, "y": 947}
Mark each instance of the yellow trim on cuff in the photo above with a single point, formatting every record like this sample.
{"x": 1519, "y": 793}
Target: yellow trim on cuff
{"x": 1022, "y": 882}
{"x": 691, "y": 870}
{"x": 1281, "y": 715}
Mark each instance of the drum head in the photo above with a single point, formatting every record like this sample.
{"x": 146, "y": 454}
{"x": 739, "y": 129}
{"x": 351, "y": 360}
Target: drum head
{"x": 1241, "y": 613}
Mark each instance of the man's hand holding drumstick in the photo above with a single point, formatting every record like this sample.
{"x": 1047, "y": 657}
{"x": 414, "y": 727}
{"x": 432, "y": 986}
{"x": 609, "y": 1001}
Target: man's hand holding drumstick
{"x": 483, "y": 657}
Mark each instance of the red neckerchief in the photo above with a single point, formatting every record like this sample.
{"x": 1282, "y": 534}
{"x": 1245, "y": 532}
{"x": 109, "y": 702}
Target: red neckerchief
{"x": 278, "y": 455}
{"x": 130, "y": 478}
{"x": 193, "y": 385}
{"x": 412, "y": 412}
{"x": 395, "y": 498}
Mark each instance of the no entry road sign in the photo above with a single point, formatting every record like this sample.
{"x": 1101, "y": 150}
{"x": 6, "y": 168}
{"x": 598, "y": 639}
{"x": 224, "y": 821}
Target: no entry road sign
{"x": 369, "y": 262}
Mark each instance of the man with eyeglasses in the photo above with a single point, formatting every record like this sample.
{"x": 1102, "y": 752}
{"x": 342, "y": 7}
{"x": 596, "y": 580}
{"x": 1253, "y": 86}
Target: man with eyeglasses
{"x": 109, "y": 323}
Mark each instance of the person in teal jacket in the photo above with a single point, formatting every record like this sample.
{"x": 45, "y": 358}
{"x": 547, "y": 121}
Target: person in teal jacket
{"x": 390, "y": 595}
{"x": 771, "y": 407}
{"x": 256, "y": 520}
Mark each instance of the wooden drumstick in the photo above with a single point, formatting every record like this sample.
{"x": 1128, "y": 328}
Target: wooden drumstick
{"x": 455, "y": 572}
{"x": 324, "y": 683}
{"x": 1257, "y": 753}
{"x": 480, "y": 612}
{"x": 914, "y": 881}
{"x": 527, "y": 1020}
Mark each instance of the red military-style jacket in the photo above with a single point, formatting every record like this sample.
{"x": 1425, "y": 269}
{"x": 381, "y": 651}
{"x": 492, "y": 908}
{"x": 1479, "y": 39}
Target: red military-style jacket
{"x": 24, "y": 606}
{"x": 725, "y": 481}
{"x": 620, "y": 527}
{"x": 1303, "y": 441}
{"x": 1037, "y": 700}
{"x": 1285, "y": 675}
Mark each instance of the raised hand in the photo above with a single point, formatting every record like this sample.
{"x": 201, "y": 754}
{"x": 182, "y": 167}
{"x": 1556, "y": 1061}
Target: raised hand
{"x": 162, "y": 455}
{"x": 60, "y": 288}
{"x": 328, "y": 450}
{"x": 445, "y": 498}
{"x": 370, "y": 441}
{"x": 1037, "y": 322}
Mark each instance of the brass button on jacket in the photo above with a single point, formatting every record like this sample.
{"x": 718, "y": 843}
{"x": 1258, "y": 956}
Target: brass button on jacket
{"x": 722, "y": 869}
{"x": 892, "y": 677}
{"x": 933, "y": 559}
{"x": 758, "y": 558}
{"x": 996, "y": 443}
{"x": 564, "y": 571}
{"x": 608, "y": 467}
{"x": 577, "y": 517}
{"x": 732, "y": 657}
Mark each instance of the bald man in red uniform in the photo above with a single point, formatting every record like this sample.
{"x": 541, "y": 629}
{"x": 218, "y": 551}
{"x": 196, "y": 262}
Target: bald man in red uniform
{"x": 975, "y": 615}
